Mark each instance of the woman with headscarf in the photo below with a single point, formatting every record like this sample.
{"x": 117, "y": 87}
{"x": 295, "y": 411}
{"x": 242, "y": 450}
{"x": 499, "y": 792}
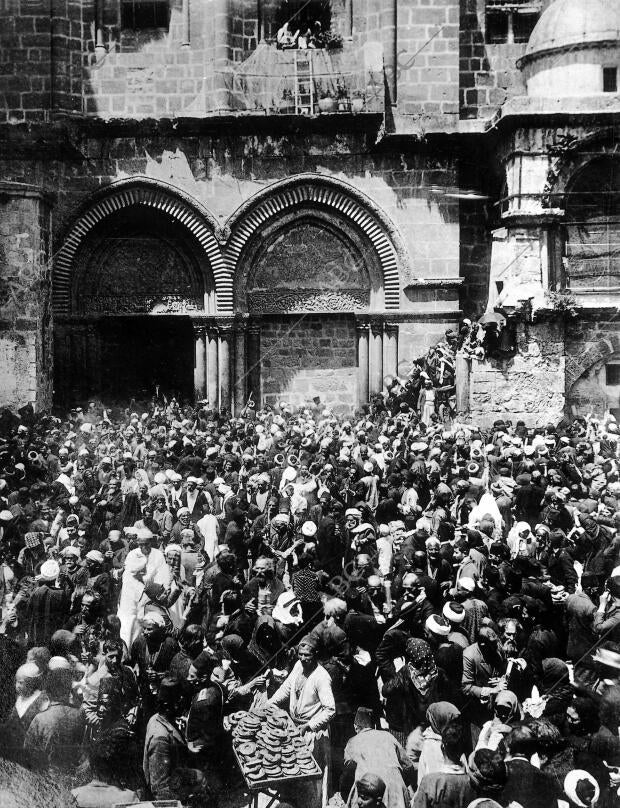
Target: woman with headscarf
{"x": 556, "y": 689}
{"x": 438, "y": 716}
{"x": 506, "y": 712}
{"x": 521, "y": 541}
{"x": 581, "y": 789}
{"x": 408, "y": 694}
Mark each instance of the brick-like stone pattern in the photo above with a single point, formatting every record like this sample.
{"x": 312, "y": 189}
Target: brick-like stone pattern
{"x": 427, "y": 66}
{"x": 488, "y": 72}
{"x": 590, "y": 345}
{"x": 529, "y": 386}
{"x": 307, "y": 357}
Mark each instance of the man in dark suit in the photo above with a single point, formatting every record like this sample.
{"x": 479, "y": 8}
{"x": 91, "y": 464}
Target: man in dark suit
{"x": 526, "y": 785}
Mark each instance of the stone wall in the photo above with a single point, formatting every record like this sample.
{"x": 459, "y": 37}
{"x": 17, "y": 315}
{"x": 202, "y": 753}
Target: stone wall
{"x": 529, "y": 386}
{"x": 590, "y": 344}
{"x": 488, "y": 72}
{"x": 25, "y": 360}
{"x": 308, "y": 356}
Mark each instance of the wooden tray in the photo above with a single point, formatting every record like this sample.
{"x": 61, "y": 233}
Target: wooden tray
{"x": 260, "y": 785}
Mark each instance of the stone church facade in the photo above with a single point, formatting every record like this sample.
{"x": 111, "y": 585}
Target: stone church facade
{"x": 184, "y": 204}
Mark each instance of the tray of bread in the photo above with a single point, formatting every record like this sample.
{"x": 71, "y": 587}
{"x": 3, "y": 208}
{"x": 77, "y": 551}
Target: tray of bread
{"x": 270, "y": 749}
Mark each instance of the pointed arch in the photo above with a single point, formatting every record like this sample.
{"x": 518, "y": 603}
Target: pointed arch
{"x": 326, "y": 193}
{"x": 149, "y": 193}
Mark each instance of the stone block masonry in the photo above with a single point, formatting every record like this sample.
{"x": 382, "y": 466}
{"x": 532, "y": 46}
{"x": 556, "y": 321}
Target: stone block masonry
{"x": 304, "y": 357}
{"x": 527, "y": 387}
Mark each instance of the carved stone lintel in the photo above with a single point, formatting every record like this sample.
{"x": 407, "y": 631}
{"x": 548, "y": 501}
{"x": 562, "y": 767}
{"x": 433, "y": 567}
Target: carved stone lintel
{"x": 315, "y": 300}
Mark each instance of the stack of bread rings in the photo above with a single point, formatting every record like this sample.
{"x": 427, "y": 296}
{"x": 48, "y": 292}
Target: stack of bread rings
{"x": 269, "y": 746}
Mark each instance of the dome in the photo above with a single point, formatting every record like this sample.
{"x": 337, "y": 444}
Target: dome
{"x": 566, "y": 23}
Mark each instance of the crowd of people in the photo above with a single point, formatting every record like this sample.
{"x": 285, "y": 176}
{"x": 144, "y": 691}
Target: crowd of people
{"x": 436, "y": 605}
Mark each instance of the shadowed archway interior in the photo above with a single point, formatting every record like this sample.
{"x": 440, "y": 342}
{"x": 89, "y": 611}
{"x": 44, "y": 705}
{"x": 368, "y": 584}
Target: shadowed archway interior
{"x": 137, "y": 279}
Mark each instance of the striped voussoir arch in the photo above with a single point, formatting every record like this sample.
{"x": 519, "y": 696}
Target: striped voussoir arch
{"x": 322, "y": 195}
{"x": 148, "y": 196}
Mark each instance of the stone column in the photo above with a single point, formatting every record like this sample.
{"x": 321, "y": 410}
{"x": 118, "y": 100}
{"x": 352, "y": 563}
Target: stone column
{"x": 363, "y": 358}
{"x": 240, "y": 371}
{"x": 185, "y": 15}
{"x": 200, "y": 358}
{"x": 212, "y": 366}
{"x": 376, "y": 357}
{"x": 100, "y": 49}
{"x": 253, "y": 370}
{"x": 226, "y": 336}
{"x": 390, "y": 350}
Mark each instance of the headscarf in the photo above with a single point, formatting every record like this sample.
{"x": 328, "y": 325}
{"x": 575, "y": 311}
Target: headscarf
{"x": 506, "y": 698}
{"x": 576, "y": 783}
{"x": 555, "y": 674}
{"x": 440, "y": 714}
{"x": 419, "y": 655}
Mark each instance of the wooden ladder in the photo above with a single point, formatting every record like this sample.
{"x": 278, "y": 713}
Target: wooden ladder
{"x": 304, "y": 83}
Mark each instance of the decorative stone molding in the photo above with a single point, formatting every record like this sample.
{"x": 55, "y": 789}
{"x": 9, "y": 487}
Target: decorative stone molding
{"x": 308, "y": 300}
{"x": 140, "y": 304}
{"x": 311, "y": 189}
{"x": 152, "y": 194}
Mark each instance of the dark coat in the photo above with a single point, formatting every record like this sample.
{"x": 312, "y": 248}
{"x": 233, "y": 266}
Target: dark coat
{"x": 528, "y": 786}
{"x": 164, "y": 753}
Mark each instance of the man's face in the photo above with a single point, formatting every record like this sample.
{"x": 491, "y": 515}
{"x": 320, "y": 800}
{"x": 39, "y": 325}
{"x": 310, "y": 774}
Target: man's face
{"x": 184, "y": 519}
{"x": 150, "y": 629}
{"x": 145, "y": 545}
{"x": 104, "y": 705}
{"x": 305, "y": 655}
{"x": 191, "y": 486}
{"x": 194, "y": 679}
{"x": 432, "y": 551}
{"x": 87, "y": 608}
{"x": 458, "y": 554}
{"x": 488, "y": 641}
{"x": 113, "y": 660}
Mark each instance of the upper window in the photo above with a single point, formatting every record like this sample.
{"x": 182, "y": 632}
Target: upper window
{"x": 610, "y": 79}
{"x": 510, "y": 22}
{"x": 308, "y": 23}
{"x": 141, "y": 15}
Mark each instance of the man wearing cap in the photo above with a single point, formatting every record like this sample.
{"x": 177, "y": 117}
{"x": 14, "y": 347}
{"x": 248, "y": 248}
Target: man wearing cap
{"x": 53, "y": 741}
{"x": 307, "y": 692}
{"x": 204, "y": 729}
{"x": 375, "y": 752}
{"x": 48, "y": 607}
{"x": 165, "y": 751}
{"x": 151, "y": 654}
{"x": 194, "y": 500}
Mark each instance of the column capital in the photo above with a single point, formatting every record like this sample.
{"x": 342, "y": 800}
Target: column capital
{"x": 376, "y": 325}
{"x": 199, "y": 328}
{"x": 362, "y": 327}
{"x": 391, "y": 328}
{"x": 225, "y": 325}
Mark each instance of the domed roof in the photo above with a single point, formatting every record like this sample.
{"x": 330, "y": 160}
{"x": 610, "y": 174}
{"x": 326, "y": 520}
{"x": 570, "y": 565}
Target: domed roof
{"x": 566, "y": 23}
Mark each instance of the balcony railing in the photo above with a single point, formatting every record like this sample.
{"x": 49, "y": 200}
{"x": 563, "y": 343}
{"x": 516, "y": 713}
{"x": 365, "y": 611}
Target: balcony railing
{"x": 307, "y": 82}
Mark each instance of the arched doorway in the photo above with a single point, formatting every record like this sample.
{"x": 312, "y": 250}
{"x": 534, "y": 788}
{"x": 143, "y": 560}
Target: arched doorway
{"x": 138, "y": 281}
{"x": 308, "y": 282}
